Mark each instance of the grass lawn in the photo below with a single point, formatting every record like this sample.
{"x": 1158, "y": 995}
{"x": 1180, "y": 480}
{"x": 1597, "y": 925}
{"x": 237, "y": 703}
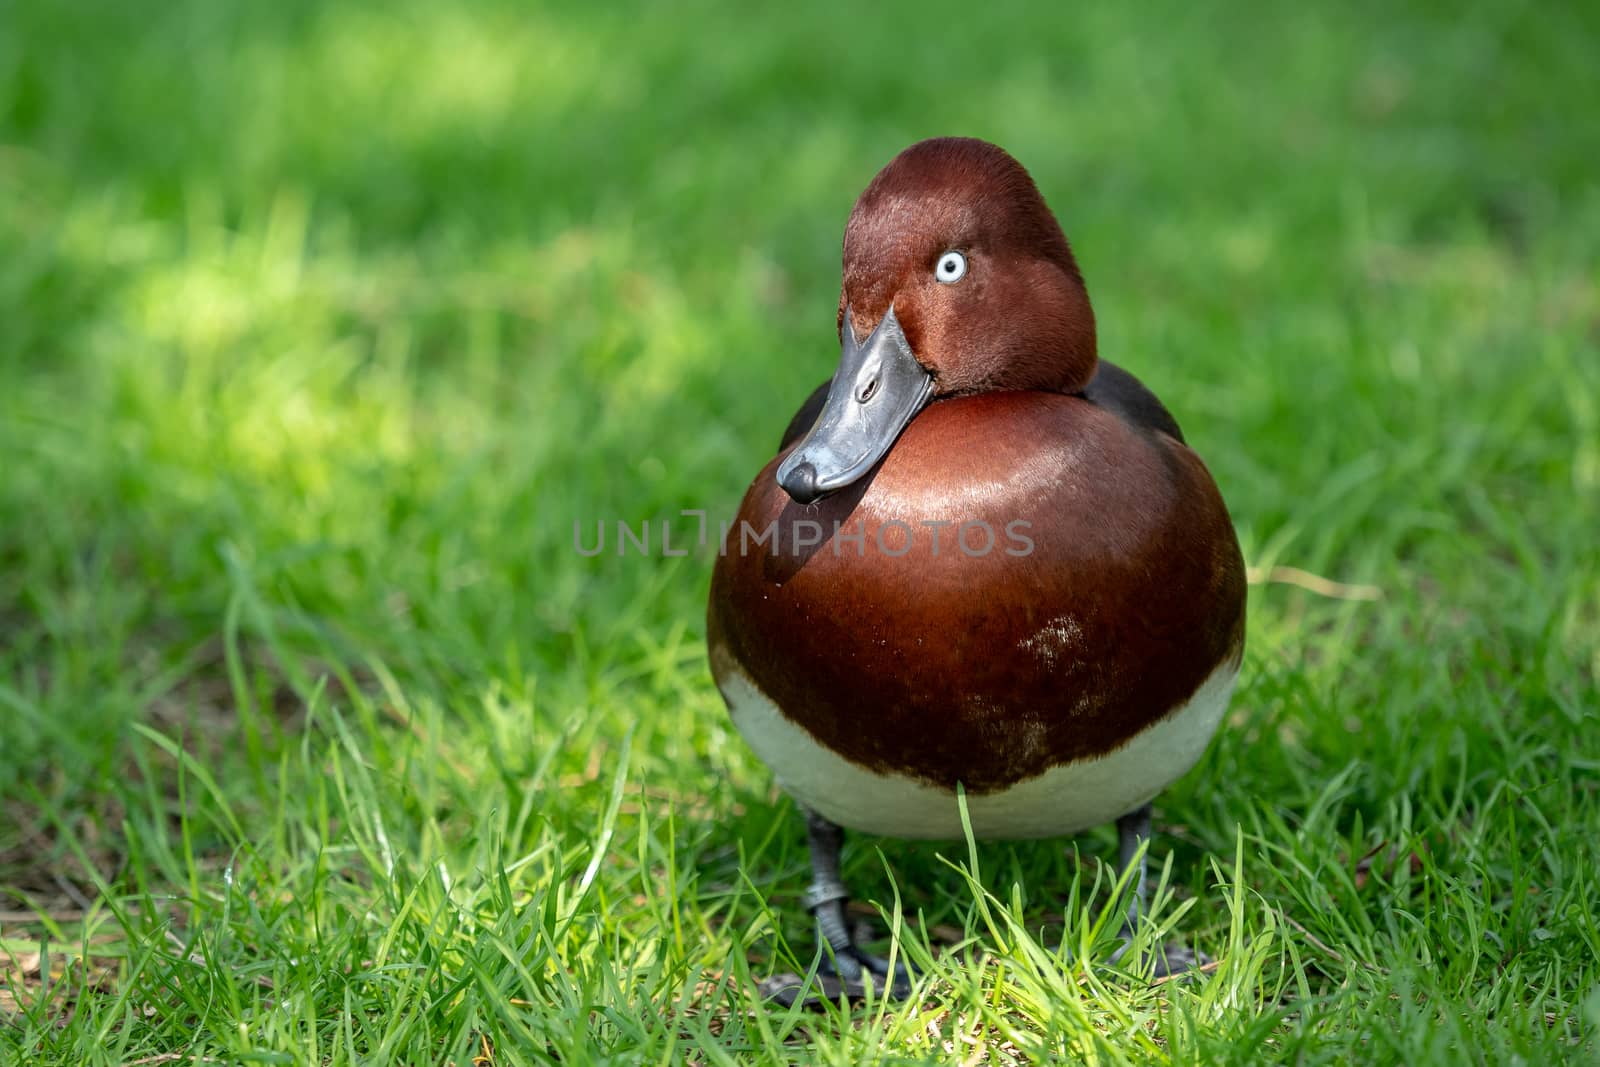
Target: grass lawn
{"x": 321, "y": 324}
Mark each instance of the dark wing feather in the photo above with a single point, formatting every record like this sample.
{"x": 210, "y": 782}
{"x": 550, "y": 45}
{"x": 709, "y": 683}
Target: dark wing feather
{"x": 1126, "y": 397}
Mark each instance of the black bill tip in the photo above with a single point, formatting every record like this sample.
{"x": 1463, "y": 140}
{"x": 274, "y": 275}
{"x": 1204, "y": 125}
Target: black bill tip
{"x": 801, "y": 483}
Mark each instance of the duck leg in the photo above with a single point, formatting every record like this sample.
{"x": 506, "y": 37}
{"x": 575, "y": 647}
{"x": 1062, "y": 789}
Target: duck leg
{"x": 844, "y": 968}
{"x": 1133, "y": 836}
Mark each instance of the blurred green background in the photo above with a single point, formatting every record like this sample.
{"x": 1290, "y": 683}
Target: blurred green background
{"x": 322, "y": 323}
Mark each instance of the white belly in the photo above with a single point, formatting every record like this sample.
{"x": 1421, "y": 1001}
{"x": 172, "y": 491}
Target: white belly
{"x": 1063, "y": 800}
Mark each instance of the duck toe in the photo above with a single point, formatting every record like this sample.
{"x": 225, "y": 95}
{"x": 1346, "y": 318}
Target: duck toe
{"x": 1163, "y": 962}
{"x": 852, "y": 975}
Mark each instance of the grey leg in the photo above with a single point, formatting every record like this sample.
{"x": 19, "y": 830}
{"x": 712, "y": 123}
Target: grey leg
{"x": 1133, "y": 833}
{"x": 826, "y": 897}
{"x": 843, "y": 966}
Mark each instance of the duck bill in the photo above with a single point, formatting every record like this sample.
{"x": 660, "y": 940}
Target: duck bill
{"x": 876, "y": 391}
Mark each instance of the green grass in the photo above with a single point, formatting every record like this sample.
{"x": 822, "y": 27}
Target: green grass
{"x": 321, "y": 324}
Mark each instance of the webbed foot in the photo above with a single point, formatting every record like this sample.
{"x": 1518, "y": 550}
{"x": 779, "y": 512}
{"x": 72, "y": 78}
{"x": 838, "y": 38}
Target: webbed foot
{"x": 845, "y": 969}
{"x": 1161, "y": 963}
{"x": 853, "y": 975}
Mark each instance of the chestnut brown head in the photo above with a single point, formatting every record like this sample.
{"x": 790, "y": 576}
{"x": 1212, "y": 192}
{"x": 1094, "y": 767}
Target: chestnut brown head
{"x": 957, "y": 280}
{"x": 1007, "y": 309}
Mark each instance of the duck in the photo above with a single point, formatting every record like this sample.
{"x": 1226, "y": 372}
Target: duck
{"x": 984, "y": 566}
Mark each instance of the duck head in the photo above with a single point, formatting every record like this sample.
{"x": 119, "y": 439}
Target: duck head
{"x": 957, "y": 280}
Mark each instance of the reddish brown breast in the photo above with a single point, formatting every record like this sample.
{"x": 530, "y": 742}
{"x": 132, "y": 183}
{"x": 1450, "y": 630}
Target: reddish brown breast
{"x": 1113, "y": 586}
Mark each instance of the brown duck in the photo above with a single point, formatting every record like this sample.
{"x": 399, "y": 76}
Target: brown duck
{"x": 982, "y": 556}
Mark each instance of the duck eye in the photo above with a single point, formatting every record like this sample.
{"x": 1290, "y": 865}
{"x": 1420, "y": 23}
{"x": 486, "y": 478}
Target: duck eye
{"x": 952, "y": 268}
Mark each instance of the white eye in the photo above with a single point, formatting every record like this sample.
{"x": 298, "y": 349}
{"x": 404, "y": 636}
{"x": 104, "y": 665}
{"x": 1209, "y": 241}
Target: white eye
{"x": 952, "y": 268}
